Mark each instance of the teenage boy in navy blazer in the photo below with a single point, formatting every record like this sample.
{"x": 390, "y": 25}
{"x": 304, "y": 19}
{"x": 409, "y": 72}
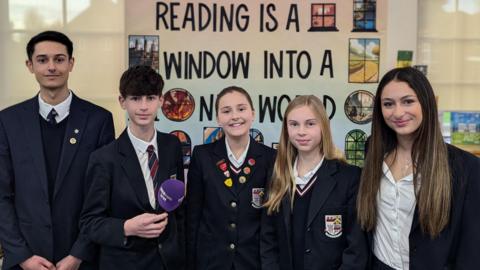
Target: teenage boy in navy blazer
{"x": 120, "y": 212}
{"x": 45, "y": 143}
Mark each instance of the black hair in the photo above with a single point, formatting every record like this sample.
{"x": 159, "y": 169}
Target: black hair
{"x": 49, "y": 36}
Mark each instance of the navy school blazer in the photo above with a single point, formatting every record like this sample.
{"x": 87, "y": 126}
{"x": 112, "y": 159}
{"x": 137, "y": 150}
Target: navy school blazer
{"x": 333, "y": 193}
{"x": 223, "y": 224}
{"x": 118, "y": 193}
{"x": 30, "y": 224}
{"x": 457, "y": 246}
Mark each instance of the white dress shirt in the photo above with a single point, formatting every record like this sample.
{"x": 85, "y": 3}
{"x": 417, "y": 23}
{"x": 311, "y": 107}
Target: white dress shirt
{"x": 236, "y": 162}
{"x": 140, "y": 147}
{"x": 396, "y": 206}
{"x": 301, "y": 181}
{"x": 62, "y": 109}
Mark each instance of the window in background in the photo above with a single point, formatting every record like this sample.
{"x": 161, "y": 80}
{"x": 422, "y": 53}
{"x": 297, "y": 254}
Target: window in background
{"x": 364, "y": 15}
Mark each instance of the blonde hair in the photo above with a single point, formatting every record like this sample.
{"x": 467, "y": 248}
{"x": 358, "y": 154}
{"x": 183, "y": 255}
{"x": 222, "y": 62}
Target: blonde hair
{"x": 282, "y": 182}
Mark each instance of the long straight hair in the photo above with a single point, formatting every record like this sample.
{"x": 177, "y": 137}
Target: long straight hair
{"x": 283, "y": 182}
{"x": 431, "y": 172}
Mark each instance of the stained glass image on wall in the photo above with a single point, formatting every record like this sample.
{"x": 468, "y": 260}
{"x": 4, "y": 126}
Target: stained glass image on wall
{"x": 364, "y": 15}
{"x": 323, "y": 17}
{"x": 355, "y": 147}
{"x": 359, "y": 107}
{"x": 256, "y": 135}
{"x": 143, "y": 50}
{"x": 178, "y": 104}
{"x": 404, "y": 58}
{"x": 364, "y": 60}
{"x": 186, "y": 146}
{"x": 212, "y": 134}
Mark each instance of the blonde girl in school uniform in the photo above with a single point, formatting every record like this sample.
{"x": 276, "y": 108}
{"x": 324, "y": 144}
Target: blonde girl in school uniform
{"x": 310, "y": 220}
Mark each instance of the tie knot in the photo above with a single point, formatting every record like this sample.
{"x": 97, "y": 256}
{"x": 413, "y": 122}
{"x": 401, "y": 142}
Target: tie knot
{"x": 150, "y": 149}
{"x": 51, "y": 116}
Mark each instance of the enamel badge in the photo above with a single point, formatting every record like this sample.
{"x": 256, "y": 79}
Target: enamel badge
{"x": 228, "y": 182}
{"x": 257, "y": 197}
{"x": 333, "y": 226}
{"x": 222, "y": 165}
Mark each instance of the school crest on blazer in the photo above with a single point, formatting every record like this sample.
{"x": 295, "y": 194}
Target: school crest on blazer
{"x": 333, "y": 226}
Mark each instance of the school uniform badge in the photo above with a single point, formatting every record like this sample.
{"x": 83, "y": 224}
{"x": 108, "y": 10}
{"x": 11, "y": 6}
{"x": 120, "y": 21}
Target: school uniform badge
{"x": 333, "y": 226}
{"x": 257, "y": 197}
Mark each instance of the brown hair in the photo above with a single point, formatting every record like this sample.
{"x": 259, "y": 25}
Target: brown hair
{"x": 429, "y": 157}
{"x": 141, "y": 81}
{"x": 232, "y": 89}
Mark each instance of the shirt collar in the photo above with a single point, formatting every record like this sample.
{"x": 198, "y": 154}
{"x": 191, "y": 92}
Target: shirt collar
{"x": 141, "y": 145}
{"x": 237, "y": 162}
{"x": 388, "y": 174}
{"x": 62, "y": 109}
{"x": 302, "y": 180}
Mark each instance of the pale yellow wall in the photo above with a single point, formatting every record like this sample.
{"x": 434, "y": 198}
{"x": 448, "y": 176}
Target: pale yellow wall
{"x": 97, "y": 31}
{"x": 449, "y": 43}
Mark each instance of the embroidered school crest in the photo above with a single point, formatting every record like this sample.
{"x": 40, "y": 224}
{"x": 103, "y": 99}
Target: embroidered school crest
{"x": 257, "y": 197}
{"x": 333, "y": 226}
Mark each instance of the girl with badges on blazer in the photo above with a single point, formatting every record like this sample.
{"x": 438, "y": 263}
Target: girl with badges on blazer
{"x": 310, "y": 219}
{"x": 418, "y": 196}
{"x": 225, "y": 188}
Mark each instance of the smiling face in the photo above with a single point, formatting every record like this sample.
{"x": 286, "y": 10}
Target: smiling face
{"x": 401, "y": 108}
{"x": 51, "y": 65}
{"x": 304, "y": 130}
{"x": 235, "y": 115}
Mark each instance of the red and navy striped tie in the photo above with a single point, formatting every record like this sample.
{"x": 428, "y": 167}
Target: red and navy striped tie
{"x": 153, "y": 165}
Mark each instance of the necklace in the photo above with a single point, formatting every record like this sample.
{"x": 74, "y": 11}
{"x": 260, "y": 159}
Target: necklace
{"x": 406, "y": 167}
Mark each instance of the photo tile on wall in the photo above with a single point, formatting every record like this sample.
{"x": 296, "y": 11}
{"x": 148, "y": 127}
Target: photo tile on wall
{"x": 143, "y": 50}
{"x": 186, "y": 143}
{"x": 363, "y": 60}
{"x": 359, "y": 107}
{"x": 178, "y": 104}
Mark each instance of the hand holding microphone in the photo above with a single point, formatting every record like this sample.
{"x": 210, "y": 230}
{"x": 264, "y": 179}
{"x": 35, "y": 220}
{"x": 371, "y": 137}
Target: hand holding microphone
{"x": 169, "y": 196}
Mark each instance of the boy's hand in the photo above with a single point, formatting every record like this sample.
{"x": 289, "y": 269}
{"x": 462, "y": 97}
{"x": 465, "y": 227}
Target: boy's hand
{"x": 36, "y": 262}
{"x": 146, "y": 225}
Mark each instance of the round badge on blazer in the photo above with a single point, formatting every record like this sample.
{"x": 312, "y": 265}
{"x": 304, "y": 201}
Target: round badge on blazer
{"x": 251, "y": 162}
{"x": 242, "y": 179}
{"x": 246, "y": 170}
{"x": 73, "y": 141}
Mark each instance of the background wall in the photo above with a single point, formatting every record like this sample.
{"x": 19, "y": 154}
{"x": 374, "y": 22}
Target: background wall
{"x": 448, "y": 42}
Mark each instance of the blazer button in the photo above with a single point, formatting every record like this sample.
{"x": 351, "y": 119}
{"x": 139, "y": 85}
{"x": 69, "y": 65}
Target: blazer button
{"x": 309, "y": 229}
{"x": 159, "y": 246}
{"x": 233, "y": 204}
{"x": 232, "y": 246}
{"x": 308, "y": 250}
{"x": 233, "y": 225}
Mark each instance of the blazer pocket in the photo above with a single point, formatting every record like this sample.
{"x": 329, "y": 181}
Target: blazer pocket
{"x": 330, "y": 224}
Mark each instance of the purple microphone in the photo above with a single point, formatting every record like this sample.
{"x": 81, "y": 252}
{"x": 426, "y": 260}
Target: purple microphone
{"x": 170, "y": 194}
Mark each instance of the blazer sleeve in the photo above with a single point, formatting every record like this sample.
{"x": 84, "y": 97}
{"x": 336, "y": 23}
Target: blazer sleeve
{"x": 13, "y": 243}
{"x": 355, "y": 254}
{"x": 95, "y": 220}
{"x": 467, "y": 255}
{"x": 107, "y": 133}
{"x": 268, "y": 242}
{"x": 83, "y": 248}
{"x": 194, "y": 206}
